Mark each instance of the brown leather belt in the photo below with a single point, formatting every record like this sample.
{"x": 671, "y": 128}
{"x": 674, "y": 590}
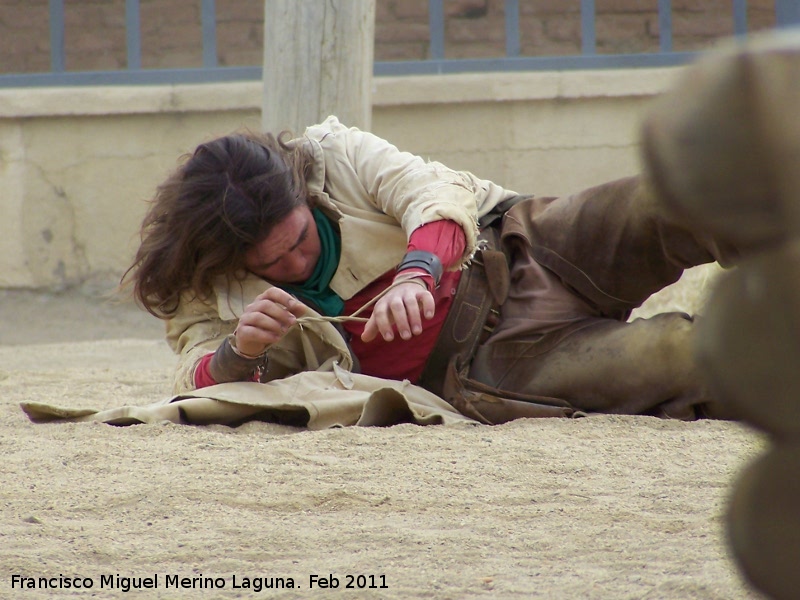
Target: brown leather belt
{"x": 474, "y": 312}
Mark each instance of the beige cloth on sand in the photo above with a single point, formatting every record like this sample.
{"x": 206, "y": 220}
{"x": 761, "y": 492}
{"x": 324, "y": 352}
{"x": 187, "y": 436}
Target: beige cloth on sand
{"x": 312, "y": 399}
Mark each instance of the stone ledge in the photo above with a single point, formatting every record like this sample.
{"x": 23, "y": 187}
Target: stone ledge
{"x": 387, "y": 91}
{"x": 510, "y": 87}
{"x": 132, "y": 99}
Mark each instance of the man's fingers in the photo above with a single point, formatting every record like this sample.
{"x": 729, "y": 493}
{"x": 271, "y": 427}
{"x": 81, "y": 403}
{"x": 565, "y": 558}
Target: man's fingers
{"x": 277, "y": 323}
{"x": 282, "y": 298}
{"x": 267, "y": 319}
{"x": 400, "y": 308}
{"x": 279, "y": 305}
{"x": 370, "y": 331}
{"x": 251, "y": 336}
{"x": 428, "y": 305}
{"x": 403, "y": 309}
{"x": 380, "y": 322}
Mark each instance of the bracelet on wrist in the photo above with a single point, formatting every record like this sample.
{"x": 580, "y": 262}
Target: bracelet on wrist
{"x": 427, "y": 261}
{"x": 239, "y": 353}
{"x": 416, "y": 276}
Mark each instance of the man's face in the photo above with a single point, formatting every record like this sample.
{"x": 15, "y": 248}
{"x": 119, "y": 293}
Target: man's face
{"x": 290, "y": 252}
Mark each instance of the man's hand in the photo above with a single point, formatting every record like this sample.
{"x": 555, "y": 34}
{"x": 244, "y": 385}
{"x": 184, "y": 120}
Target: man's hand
{"x": 266, "y": 320}
{"x": 403, "y": 306}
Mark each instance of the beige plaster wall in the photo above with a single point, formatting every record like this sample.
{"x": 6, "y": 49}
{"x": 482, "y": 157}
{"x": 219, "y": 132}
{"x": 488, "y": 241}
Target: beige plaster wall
{"x": 78, "y": 164}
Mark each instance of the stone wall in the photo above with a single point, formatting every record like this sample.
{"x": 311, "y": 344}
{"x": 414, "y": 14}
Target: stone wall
{"x": 171, "y": 35}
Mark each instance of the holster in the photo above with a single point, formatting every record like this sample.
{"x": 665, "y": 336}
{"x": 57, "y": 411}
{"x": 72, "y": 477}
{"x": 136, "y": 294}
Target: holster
{"x": 474, "y": 312}
{"x": 472, "y": 318}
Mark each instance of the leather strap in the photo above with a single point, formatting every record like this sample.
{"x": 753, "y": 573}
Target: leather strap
{"x": 493, "y": 406}
{"x": 427, "y": 261}
{"x": 227, "y": 365}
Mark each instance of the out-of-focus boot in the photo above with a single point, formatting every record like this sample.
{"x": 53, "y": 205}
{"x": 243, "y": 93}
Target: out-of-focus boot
{"x": 764, "y": 528}
{"x": 722, "y": 151}
{"x": 722, "y": 148}
{"x": 748, "y": 341}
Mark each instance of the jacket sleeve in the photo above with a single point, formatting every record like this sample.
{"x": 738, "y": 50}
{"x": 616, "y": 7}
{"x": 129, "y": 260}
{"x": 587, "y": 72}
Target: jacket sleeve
{"x": 194, "y": 331}
{"x": 402, "y": 185}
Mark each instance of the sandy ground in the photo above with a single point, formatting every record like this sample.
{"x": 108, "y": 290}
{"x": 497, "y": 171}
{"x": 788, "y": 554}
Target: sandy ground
{"x": 602, "y": 507}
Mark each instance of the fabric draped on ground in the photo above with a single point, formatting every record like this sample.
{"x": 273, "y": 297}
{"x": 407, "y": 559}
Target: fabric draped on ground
{"x": 315, "y": 400}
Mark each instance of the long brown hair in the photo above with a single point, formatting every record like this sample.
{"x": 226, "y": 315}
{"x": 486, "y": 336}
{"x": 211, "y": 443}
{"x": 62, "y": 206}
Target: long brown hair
{"x": 225, "y": 197}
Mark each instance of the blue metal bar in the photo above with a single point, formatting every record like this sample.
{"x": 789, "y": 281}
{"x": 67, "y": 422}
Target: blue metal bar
{"x": 126, "y": 77}
{"x": 133, "y": 34}
{"x": 739, "y": 17}
{"x": 57, "y": 61}
{"x": 588, "y": 37}
{"x": 209, "y": 19}
{"x": 787, "y": 12}
{"x": 532, "y": 63}
{"x": 421, "y": 67}
{"x": 436, "y": 26}
{"x": 665, "y": 25}
{"x": 513, "y": 46}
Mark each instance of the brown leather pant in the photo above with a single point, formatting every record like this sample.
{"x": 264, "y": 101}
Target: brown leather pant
{"x": 579, "y": 265}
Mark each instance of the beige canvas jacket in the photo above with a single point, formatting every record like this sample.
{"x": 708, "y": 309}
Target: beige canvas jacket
{"x": 379, "y": 196}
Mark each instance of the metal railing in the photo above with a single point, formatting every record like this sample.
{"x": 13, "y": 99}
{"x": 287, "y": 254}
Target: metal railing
{"x": 787, "y": 13}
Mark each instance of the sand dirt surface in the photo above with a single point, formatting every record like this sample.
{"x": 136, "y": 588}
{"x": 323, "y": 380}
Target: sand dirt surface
{"x": 595, "y": 508}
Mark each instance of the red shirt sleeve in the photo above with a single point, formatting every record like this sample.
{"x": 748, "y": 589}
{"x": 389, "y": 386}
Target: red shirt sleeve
{"x": 202, "y": 377}
{"x": 445, "y": 239}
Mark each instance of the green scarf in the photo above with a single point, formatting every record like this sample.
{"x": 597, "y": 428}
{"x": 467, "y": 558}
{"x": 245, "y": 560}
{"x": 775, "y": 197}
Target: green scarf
{"x": 317, "y": 288}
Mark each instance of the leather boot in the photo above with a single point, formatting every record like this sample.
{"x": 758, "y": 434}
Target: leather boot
{"x": 601, "y": 365}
